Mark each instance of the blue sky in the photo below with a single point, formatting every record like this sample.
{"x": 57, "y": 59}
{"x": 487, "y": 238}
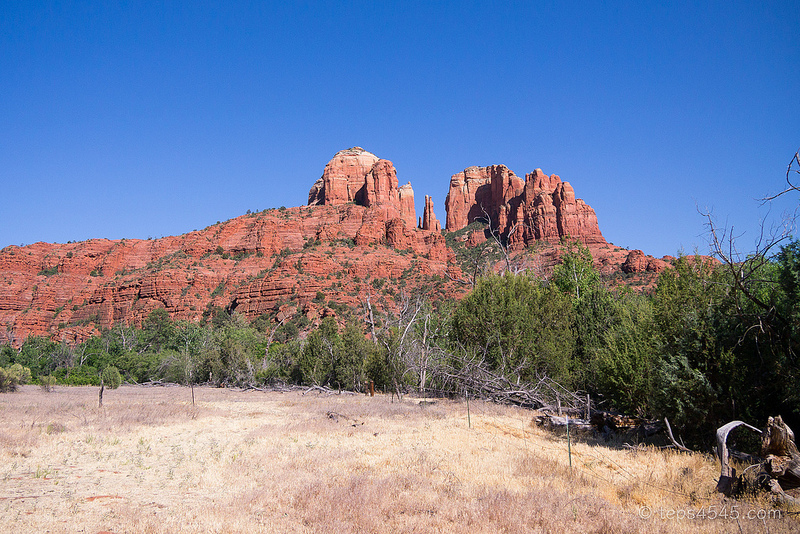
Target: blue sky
{"x": 147, "y": 119}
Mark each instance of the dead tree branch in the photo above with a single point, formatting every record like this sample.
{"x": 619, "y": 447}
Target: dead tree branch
{"x": 792, "y": 169}
{"x": 677, "y": 445}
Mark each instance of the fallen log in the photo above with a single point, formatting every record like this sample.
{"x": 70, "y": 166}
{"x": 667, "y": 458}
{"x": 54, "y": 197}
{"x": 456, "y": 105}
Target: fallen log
{"x": 556, "y": 422}
{"x": 679, "y": 446}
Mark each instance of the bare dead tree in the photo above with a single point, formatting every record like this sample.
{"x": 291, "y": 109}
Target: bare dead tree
{"x": 369, "y": 315}
{"x": 745, "y": 269}
{"x": 468, "y": 371}
{"x": 423, "y": 354}
{"x": 791, "y": 171}
{"x": 478, "y": 266}
{"x": 479, "y": 263}
{"x": 727, "y": 479}
{"x": 399, "y": 346}
{"x": 272, "y": 333}
{"x": 502, "y": 241}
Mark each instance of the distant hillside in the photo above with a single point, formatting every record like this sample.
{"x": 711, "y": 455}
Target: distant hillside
{"x": 358, "y": 238}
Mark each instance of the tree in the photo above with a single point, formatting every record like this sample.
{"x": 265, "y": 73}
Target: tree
{"x": 111, "y": 377}
{"x": 762, "y": 292}
{"x": 158, "y": 331}
{"x": 522, "y": 328}
{"x": 625, "y": 356}
{"x": 576, "y": 274}
{"x": 695, "y": 357}
{"x": 319, "y": 357}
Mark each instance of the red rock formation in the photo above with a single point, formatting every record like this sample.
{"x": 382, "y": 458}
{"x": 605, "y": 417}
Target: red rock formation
{"x": 248, "y": 264}
{"x": 429, "y": 220}
{"x": 344, "y": 178}
{"x": 359, "y": 226}
{"x": 470, "y": 190}
{"x": 540, "y": 208}
{"x": 408, "y": 212}
{"x": 355, "y": 175}
{"x": 380, "y": 185}
{"x": 637, "y": 262}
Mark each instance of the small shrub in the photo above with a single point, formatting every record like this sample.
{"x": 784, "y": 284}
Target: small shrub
{"x": 109, "y": 377}
{"x": 219, "y": 289}
{"x": 47, "y": 383}
{"x": 13, "y": 376}
{"x": 55, "y": 428}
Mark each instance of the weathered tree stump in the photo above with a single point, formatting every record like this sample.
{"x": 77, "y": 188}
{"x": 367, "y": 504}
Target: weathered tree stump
{"x": 780, "y": 467}
{"x": 781, "y": 457}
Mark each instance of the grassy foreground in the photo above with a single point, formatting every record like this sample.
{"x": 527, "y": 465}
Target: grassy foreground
{"x": 249, "y": 461}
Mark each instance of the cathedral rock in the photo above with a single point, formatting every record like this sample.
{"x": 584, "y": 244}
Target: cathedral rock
{"x": 540, "y": 207}
{"x": 355, "y": 175}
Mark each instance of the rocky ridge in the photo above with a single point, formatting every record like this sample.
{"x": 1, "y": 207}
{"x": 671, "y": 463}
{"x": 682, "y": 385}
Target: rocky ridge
{"x": 358, "y": 237}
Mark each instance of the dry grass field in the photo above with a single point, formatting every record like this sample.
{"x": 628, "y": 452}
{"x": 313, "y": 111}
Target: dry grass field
{"x": 250, "y": 461}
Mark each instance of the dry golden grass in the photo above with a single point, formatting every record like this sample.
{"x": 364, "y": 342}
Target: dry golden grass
{"x": 286, "y": 462}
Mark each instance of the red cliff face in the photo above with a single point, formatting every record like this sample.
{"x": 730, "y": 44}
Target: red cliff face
{"x": 250, "y": 264}
{"x": 344, "y": 178}
{"x": 359, "y": 228}
{"x": 541, "y": 207}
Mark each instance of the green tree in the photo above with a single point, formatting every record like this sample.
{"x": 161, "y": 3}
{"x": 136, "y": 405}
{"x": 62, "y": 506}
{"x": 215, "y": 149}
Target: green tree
{"x": 705, "y": 377}
{"x": 233, "y": 354}
{"x": 576, "y": 274}
{"x": 522, "y": 328}
{"x": 109, "y": 377}
{"x": 354, "y": 352}
{"x": 626, "y": 357}
{"x": 35, "y": 354}
{"x": 158, "y": 331}
{"x": 318, "y": 361}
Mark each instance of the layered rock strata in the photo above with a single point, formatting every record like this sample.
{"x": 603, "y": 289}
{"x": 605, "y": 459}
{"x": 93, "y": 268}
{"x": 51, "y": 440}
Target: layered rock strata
{"x": 251, "y": 264}
{"x": 541, "y": 207}
{"x": 357, "y": 176}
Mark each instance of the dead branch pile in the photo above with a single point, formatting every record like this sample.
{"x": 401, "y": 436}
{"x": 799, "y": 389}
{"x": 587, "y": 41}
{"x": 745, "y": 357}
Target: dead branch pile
{"x": 477, "y": 381}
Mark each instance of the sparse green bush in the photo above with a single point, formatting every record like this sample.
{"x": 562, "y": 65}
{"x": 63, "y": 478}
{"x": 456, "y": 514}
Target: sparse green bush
{"x": 13, "y": 376}
{"x": 47, "y": 383}
{"x": 111, "y": 377}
